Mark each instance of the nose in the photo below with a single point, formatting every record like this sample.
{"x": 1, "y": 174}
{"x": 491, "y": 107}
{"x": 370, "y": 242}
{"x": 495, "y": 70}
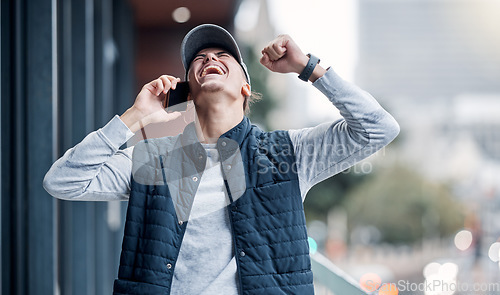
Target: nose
{"x": 210, "y": 56}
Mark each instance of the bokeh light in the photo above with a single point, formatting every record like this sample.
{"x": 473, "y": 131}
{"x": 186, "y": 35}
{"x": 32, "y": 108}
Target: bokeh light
{"x": 370, "y": 282}
{"x": 494, "y": 252}
{"x": 440, "y": 277}
{"x": 181, "y": 14}
{"x": 431, "y": 269}
{"x": 463, "y": 240}
{"x": 448, "y": 271}
{"x": 313, "y": 246}
{"x": 388, "y": 289}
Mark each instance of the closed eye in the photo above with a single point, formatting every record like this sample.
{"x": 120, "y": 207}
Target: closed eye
{"x": 199, "y": 56}
{"x": 219, "y": 54}
{"x": 223, "y": 54}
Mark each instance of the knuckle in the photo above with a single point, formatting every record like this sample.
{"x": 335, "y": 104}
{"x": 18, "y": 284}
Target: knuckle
{"x": 282, "y": 37}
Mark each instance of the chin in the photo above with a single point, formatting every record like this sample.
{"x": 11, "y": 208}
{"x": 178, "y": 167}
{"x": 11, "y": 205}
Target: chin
{"x": 212, "y": 86}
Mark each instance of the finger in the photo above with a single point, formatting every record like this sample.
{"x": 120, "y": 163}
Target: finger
{"x": 150, "y": 87}
{"x": 163, "y": 116}
{"x": 158, "y": 85}
{"x": 165, "y": 80}
{"x": 279, "y": 48}
{"x": 273, "y": 53}
{"x": 264, "y": 60}
{"x": 171, "y": 116}
{"x": 174, "y": 82}
{"x": 270, "y": 52}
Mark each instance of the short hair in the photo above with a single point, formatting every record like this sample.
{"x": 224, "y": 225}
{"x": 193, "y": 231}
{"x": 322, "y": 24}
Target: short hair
{"x": 254, "y": 97}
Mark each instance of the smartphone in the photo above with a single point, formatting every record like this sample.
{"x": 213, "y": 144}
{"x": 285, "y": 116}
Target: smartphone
{"x": 177, "y": 97}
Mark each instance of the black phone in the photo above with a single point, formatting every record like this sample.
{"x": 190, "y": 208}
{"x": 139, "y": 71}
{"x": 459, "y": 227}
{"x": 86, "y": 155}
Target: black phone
{"x": 176, "y": 98}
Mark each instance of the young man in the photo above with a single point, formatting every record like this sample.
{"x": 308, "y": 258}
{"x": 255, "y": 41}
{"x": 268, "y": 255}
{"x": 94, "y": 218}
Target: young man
{"x": 218, "y": 209}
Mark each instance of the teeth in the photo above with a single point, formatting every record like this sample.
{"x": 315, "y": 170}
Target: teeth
{"x": 218, "y": 69}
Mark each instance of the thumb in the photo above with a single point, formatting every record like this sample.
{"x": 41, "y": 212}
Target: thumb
{"x": 161, "y": 116}
{"x": 165, "y": 117}
{"x": 264, "y": 60}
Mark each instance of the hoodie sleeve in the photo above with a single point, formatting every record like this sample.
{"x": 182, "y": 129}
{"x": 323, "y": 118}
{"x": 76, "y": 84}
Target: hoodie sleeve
{"x": 95, "y": 169}
{"x": 329, "y": 148}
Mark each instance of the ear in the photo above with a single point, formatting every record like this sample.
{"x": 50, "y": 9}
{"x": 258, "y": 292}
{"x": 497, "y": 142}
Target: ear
{"x": 246, "y": 90}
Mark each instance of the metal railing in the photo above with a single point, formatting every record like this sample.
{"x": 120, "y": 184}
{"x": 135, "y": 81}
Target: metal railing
{"x": 331, "y": 280}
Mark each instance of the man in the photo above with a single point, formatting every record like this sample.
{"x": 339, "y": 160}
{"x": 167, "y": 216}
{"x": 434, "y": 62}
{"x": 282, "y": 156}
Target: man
{"x": 218, "y": 209}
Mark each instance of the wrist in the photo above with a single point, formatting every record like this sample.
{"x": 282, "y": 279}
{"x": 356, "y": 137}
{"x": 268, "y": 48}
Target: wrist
{"x": 133, "y": 119}
{"x": 302, "y": 63}
{"x": 308, "y": 70}
{"x": 318, "y": 72}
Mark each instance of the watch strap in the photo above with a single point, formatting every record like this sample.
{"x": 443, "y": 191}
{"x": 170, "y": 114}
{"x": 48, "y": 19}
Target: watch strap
{"x": 308, "y": 70}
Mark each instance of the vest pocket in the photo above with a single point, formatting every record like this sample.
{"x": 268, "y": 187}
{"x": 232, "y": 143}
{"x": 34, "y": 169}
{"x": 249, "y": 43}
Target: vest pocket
{"x": 122, "y": 287}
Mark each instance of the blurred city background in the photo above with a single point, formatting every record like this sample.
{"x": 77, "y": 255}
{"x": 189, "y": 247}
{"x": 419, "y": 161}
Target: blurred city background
{"x": 422, "y": 216}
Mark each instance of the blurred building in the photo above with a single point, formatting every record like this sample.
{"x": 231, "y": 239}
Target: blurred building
{"x": 67, "y": 68}
{"x": 428, "y": 50}
{"x": 436, "y": 65}
{"x": 421, "y": 58}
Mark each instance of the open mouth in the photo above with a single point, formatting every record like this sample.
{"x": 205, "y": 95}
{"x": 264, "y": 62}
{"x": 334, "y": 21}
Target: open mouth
{"x": 212, "y": 70}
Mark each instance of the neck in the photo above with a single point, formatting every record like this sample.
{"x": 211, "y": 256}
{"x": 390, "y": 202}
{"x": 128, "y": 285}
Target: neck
{"x": 216, "y": 119}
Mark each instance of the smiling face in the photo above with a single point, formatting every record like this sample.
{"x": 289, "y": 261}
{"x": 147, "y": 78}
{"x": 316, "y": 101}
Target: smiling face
{"x": 216, "y": 75}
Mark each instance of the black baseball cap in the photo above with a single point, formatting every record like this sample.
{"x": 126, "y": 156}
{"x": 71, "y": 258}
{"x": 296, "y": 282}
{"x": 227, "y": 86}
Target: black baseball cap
{"x": 206, "y": 36}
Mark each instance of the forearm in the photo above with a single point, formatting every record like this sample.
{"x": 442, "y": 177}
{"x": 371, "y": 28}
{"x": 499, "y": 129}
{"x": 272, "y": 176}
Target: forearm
{"x": 95, "y": 169}
{"x": 318, "y": 72}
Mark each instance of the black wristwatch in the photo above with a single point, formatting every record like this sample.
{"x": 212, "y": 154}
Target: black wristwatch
{"x": 309, "y": 69}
